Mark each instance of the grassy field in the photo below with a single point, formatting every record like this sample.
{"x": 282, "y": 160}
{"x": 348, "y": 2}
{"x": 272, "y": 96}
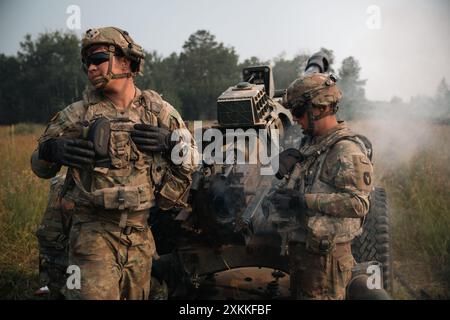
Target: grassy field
{"x": 413, "y": 167}
{"x": 22, "y": 202}
{"x": 418, "y": 190}
{"x": 420, "y": 206}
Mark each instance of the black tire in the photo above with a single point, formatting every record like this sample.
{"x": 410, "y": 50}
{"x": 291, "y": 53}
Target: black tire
{"x": 374, "y": 244}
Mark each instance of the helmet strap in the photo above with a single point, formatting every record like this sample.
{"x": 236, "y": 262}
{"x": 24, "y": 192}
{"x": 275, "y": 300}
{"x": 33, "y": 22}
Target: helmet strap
{"x": 323, "y": 113}
{"x": 312, "y": 117}
{"x": 310, "y": 130}
{"x": 109, "y": 74}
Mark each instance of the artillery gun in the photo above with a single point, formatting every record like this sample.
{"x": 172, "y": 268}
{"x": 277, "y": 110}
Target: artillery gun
{"x": 221, "y": 246}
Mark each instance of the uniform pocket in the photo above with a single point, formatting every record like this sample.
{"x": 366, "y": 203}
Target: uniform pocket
{"x": 120, "y": 149}
{"x": 172, "y": 191}
{"x": 344, "y": 273}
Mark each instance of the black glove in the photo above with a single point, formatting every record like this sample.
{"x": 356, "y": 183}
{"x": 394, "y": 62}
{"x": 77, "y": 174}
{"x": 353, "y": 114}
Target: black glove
{"x": 286, "y": 199}
{"x": 288, "y": 159}
{"x": 151, "y": 139}
{"x": 68, "y": 152}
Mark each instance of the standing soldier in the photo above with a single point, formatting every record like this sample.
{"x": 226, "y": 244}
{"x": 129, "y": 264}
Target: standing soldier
{"x": 122, "y": 159}
{"x": 328, "y": 182}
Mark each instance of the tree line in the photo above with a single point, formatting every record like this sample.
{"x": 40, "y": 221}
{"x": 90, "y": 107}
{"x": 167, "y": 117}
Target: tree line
{"x": 46, "y": 75}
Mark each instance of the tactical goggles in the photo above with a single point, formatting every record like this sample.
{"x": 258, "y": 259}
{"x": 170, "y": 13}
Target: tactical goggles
{"x": 96, "y": 59}
{"x": 299, "y": 111}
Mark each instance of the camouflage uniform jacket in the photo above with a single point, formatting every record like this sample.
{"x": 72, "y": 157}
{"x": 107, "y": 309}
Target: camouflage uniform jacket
{"x": 134, "y": 181}
{"x": 336, "y": 178}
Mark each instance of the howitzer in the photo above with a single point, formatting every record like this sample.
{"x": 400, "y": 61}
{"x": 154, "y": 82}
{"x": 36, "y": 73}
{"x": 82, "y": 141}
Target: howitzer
{"x": 254, "y": 103}
{"x": 318, "y": 62}
{"x": 226, "y": 199}
{"x": 204, "y": 249}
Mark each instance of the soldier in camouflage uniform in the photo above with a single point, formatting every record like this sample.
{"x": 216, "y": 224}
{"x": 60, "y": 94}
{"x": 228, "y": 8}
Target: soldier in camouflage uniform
{"x": 52, "y": 235}
{"x": 325, "y": 191}
{"x": 122, "y": 159}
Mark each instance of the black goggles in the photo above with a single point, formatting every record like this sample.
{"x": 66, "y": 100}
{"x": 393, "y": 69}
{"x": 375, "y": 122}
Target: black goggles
{"x": 299, "y": 111}
{"x": 96, "y": 59}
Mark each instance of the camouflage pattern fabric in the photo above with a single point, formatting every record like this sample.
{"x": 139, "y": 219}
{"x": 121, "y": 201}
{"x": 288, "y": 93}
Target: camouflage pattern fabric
{"x": 316, "y": 88}
{"x": 336, "y": 178}
{"x": 113, "y": 265}
{"x": 106, "y": 36}
{"x": 171, "y": 182}
{"x": 53, "y": 240}
{"x": 320, "y": 276}
{"x": 104, "y": 202}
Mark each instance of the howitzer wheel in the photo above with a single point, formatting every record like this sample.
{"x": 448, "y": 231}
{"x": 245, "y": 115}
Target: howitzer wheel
{"x": 374, "y": 243}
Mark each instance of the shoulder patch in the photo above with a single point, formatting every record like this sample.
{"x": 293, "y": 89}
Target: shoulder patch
{"x": 363, "y": 172}
{"x": 367, "y": 178}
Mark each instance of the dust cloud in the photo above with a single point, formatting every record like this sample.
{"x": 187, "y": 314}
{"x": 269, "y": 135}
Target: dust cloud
{"x": 398, "y": 131}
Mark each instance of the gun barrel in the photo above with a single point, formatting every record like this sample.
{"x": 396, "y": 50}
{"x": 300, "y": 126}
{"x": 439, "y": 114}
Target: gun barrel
{"x": 318, "y": 62}
{"x": 254, "y": 204}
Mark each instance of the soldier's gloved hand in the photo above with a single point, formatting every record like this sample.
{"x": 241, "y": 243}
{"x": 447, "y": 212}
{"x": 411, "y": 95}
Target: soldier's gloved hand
{"x": 151, "y": 139}
{"x": 68, "y": 152}
{"x": 287, "y": 160}
{"x": 284, "y": 199}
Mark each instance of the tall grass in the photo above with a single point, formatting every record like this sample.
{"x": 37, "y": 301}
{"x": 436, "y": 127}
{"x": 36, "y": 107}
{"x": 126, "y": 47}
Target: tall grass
{"x": 419, "y": 193}
{"x": 412, "y": 163}
{"x": 22, "y": 202}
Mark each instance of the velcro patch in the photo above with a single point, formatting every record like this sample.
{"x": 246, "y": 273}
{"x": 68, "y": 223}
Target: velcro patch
{"x": 363, "y": 173}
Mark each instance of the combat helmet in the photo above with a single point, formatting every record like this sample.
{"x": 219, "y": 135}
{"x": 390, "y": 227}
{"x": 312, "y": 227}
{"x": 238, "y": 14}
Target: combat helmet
{"x": 315, "y": 90}
{"x": 118, "y": 43}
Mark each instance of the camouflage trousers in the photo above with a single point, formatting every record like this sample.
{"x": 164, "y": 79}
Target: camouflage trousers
{"x": 115, "y": 263}
{"x": 317, "y": 275}
{"x": 53, "y": 240}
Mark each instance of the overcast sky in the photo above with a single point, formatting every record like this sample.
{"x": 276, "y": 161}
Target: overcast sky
{"x": 405, "y": 52}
